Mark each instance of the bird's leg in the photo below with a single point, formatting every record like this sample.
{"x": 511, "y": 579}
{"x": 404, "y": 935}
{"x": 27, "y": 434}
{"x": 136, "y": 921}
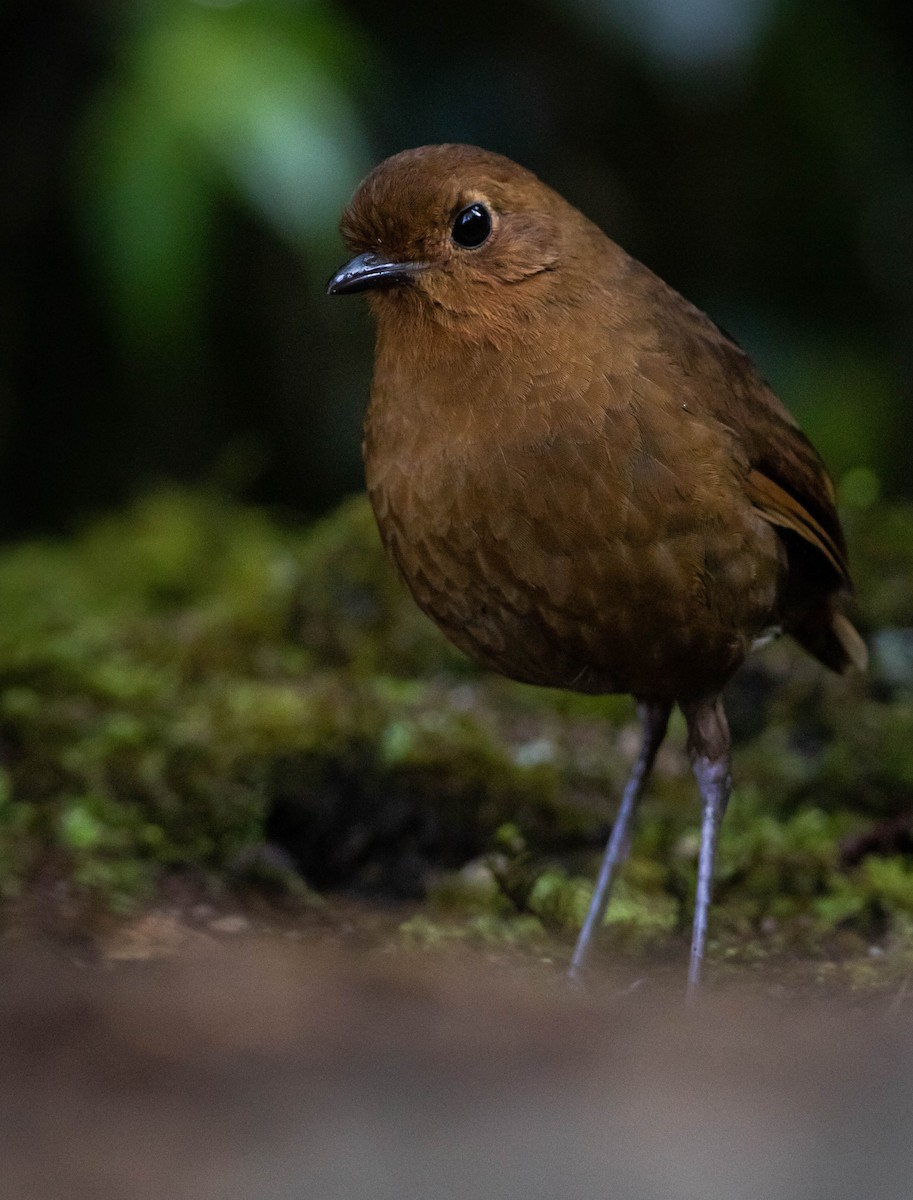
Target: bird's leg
{"x": 709, "y": 747}
{"x": 654, "y": 718}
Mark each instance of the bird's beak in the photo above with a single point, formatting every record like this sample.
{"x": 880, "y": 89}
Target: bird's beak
{"x": 371, "y": 271}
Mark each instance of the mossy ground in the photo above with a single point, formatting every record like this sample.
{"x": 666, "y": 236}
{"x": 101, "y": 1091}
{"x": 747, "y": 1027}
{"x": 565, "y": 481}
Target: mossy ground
{"x": 193, "y": 691}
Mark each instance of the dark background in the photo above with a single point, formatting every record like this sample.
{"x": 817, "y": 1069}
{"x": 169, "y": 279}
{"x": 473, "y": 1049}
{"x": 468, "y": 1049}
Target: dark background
{"x": 171, "y": 173}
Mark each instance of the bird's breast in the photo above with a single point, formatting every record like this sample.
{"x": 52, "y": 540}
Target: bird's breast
{"x": 561, "y": 541}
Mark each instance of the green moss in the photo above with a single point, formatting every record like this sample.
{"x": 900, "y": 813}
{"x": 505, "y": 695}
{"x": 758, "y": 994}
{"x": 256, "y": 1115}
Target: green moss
{"x": 15, "y": 820}
{"x": 175, "y": 676}
{"x": 484, "y": 929}
{"x": 190, "y": 680}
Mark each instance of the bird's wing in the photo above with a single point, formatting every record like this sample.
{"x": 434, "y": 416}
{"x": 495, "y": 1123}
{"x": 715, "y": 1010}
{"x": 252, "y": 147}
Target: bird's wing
{"x": 788, "y": 512}
{"x": 785, "y": 478}
{"x": 787, "y": 481}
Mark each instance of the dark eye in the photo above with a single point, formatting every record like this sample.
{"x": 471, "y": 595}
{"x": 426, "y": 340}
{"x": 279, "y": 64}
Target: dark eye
{"x": 472, "y": 226}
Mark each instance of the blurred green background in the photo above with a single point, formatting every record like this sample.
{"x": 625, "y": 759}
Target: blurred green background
{"x": 172, "y": 173}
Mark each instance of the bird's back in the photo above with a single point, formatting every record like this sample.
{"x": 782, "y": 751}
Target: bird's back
{"x": 782, "y": 475}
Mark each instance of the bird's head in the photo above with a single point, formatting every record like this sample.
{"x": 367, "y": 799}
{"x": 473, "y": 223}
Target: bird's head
{"x": 456, "y": 231}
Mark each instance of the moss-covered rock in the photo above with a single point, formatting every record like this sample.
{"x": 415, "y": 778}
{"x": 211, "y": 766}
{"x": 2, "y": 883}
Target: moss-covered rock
{"x": 183, "y": 680}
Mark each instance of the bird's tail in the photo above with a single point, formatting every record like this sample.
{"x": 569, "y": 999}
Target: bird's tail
{"x": 831, "y": 637}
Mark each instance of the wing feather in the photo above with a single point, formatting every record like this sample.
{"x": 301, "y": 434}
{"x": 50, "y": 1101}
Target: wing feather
{"x": 784, "y": 510}
{"x": 784, "y": 476}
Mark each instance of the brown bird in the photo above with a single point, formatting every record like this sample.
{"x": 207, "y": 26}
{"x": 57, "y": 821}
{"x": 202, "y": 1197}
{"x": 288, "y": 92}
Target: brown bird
{"x": 582, "y": 479}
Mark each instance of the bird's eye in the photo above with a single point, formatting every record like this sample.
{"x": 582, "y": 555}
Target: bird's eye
{"x": 472, "y": 226}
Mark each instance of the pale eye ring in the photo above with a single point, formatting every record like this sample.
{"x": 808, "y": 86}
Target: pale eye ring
{"x": 471, "y": 226}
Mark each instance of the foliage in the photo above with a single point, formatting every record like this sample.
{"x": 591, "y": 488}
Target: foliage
{"x": 246, "y": 99}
